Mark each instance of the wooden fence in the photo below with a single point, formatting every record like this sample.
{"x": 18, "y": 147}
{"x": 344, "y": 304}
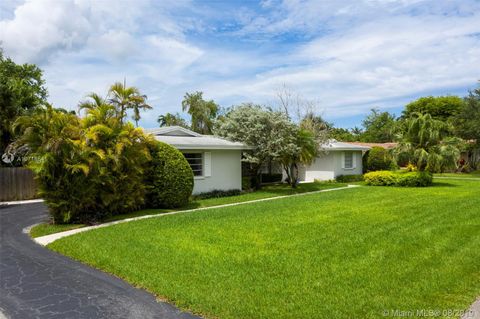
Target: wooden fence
{"x": 16, "y": 183}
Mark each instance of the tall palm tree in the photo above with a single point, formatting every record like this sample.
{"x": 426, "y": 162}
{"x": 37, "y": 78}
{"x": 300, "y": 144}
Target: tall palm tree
{"x": 123, "y": 98}
{"x": 139, "y": 103}
{"x": 202, "y": 112}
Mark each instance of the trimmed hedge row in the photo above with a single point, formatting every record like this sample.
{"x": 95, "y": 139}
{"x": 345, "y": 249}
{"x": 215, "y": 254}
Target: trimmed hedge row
{"x": 349, "y": 178}
{"x": 217, "y": 193}
{"x": 389, "y": 178}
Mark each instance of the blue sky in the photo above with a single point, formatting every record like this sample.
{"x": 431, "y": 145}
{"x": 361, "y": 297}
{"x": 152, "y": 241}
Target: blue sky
{"x": 341, "y": 57}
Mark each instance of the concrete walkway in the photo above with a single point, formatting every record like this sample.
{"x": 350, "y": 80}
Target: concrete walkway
{"x": 38, "y": 283}
{"x": 45, "y": 240}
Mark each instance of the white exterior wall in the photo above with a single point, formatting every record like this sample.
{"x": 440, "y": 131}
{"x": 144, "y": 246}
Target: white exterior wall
{"x": 357, "y": 163}
{"x": 224, "y": 172}
{"x": 330, "y": 165}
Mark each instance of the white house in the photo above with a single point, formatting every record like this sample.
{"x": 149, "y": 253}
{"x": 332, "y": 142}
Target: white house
{"x": 216, "y": 162}
{"x": 336, "y": 158}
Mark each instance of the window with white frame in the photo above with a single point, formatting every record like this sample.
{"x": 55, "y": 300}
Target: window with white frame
{"x": 348, "y": 160}
{"x": 196, "y": 163}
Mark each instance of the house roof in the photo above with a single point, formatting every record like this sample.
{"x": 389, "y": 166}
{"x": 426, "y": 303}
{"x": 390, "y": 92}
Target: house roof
{"x": 387, "y": 146}
{"x": 183, "y": 138}
{"x": 334, "y": 145}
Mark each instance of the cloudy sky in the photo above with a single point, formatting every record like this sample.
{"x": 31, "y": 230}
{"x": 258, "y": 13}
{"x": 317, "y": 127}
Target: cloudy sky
{"x": 348, "y": 56}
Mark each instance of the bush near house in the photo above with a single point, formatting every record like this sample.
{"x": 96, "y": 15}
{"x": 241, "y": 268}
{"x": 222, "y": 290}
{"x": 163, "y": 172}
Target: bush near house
{"x": 218, "y": 193}
{"x": 349, "y": 178}
{"x": 378, "y": 159}
{"x": 168, "y": 177}
{"x": 389, "y": 178}
{"x": 89, "y": 169}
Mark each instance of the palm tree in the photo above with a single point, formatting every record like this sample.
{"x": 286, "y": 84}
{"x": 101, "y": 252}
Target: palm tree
{"x": 427, "y": 143}
{"x": 123, "y": 98}
{"x": 170, "y": 119}
{"x": 305, "y": 152}
{"x": 202, "y": 112}
{"x": 139, "y": 103}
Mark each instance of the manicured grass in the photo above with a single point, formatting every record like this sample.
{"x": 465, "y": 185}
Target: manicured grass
{"x": 475, "y": 174}
{"x": 347, "y": 254}
{"x": 265, "y": 192}
{"x": 47, "y": 229}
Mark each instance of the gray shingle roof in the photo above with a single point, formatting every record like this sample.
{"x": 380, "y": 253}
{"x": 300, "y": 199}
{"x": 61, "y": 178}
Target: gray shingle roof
{"x": 183, "y": 138}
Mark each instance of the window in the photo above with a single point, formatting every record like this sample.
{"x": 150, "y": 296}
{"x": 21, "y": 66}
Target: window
{"x": 348, "y": 160}
{"x": 196, "y": 163}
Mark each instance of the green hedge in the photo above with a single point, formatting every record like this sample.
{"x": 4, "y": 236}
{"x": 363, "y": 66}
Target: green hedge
{"x": 168, "y": 177}
{"x": 389, "y": 178}
{"x": 217, "y": 193}
{"x": 349, "y": 178}
{"x": 378, "y": 159}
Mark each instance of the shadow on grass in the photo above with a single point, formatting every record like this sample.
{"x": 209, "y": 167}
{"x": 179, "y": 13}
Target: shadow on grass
{"x": 443, "y": 184}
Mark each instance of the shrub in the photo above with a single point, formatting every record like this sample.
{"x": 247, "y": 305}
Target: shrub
{"x": 86, "y": 169}
{"x": 379, "y": 159}
{"x": 380, "y": 178}
{"x": 388, "y": 178}
{"x": 349, "y": 178}
{"x": 168, "y": 177}
{"x": 414, "y": 179}
{"x": 217, "y": 193}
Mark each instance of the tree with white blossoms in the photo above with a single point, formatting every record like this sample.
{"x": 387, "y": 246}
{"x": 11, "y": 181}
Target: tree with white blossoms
{"x": 271, "y": 135}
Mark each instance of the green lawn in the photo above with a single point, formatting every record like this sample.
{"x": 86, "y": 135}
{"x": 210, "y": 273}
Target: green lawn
{"x": 265, "y": 192}
{"x": 475, "y": 174}
{"x": 345, "y": 254}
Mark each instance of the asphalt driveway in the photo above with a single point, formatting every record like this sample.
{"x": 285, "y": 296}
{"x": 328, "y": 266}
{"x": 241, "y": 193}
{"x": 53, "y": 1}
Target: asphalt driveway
{"x": 38, "y": 283}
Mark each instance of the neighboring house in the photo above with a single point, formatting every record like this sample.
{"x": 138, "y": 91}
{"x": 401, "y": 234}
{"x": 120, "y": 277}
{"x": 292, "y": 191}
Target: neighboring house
{"x": 216, "y": 162}
{"x": 335, "y": 158}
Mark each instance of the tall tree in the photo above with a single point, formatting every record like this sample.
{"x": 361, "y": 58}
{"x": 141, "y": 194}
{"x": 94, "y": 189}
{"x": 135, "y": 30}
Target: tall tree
{"x": 378, "y": 127}
{"x": 169, "y": 119}
{"x": 301, "y": 151}
{"x": 203, "y": 113}
{"x": 22, "y": 89}
{"x": 467, "y": 125}
{"x": 260, "y": 128}
{"x": 439, "y": 107}
{"x": 427, "y": 143}
{"x": 124, "y": 98}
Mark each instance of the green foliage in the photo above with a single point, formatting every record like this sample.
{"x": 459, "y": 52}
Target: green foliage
{"x": 378, "y": 127}
{"x": 349, "y": 178}
{"x": 380, "y": 178}
{"x": 218, "y": 193}
{"x": 202, "y": 112}
{"x": 467, "y": 125}
{"x": 169, "y": 119}
{"x": 415, "y": 179}
{"x": 439, "y": 107}
{"x": 86, "y": 169}
{"x": 168, "y": 177}
{"x": 426, "y": 142}
{"x": 124, "y": 98}
{"x": 378, "y": 159}
{"x": 21, "y": 90}
{"x": 389, "y": 178}
{"x": 341, "y": 134}
{"x": 271, "y": 134}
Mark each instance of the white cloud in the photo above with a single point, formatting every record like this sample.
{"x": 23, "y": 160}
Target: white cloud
{"x": 350, "y": 56}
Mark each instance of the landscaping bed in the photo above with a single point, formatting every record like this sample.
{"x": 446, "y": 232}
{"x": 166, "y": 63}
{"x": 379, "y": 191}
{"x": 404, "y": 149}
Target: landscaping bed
{"x": 354, "y": 253}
